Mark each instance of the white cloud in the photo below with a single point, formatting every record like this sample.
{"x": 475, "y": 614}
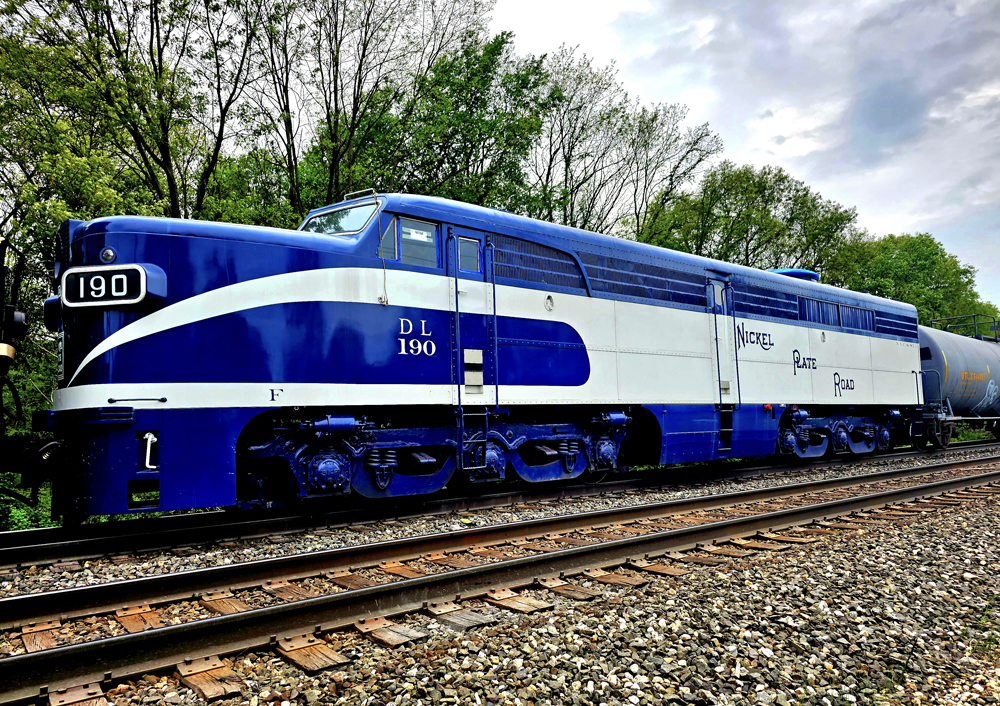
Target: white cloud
{"x": 890, "y": 106}
{"x": 541, "y": 27}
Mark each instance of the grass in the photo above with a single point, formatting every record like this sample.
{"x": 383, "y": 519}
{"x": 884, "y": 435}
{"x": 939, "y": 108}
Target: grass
{"x": 984, "y": 633}
{"x": 963, "y": 432}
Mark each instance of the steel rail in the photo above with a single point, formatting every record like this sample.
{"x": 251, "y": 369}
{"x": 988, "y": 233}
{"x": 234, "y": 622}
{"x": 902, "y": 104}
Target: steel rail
{"x": 30, "y": 675}
{"x": 70, "y": 603}
{"x": 50, "y": 544}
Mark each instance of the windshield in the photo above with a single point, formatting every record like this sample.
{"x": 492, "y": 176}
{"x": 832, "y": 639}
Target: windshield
{"x": 348, "y": 220}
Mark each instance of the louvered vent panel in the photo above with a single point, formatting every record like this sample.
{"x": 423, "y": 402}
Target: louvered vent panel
{"x": 524, "y": 261}
{"x": 643, "y": 280}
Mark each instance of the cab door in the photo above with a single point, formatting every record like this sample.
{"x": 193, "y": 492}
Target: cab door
{"x": 724, "y": 333}
{"x": 720, "y": 296}
{"x": 474, "y": 306}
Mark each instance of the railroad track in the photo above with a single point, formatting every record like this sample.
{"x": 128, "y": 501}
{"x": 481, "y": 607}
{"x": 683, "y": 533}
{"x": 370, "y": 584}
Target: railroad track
{"x": 314, "y": 594}
{"x": 51, "y": 545}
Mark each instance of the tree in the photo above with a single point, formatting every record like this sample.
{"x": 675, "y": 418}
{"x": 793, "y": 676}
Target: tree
{"x": 366, "y": 58}
{"x": 165, "y": 74}
{"x": 467, "y": 130}
{"x": 756, "y": 217}
{"x": 909, "y": 268}
{"x": 604, "y": 160}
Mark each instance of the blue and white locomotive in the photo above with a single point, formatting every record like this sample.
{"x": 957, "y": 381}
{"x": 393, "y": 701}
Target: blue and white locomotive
{"x": 394, "y": 344}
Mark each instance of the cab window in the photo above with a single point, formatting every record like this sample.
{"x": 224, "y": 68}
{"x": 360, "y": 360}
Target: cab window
{"x": 418, "y": 243}
{"x": 387, "y": 249}
{"x": 468, "y": 255}
{"x": 342, "y": 222}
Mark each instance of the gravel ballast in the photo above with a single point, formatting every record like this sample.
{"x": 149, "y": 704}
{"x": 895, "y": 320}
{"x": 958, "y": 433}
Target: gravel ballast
{"x": 35, "y": 579}
{"x": 899, "y": 612}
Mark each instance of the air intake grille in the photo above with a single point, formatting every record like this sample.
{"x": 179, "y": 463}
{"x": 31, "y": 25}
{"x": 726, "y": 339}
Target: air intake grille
{"x": 896, "y": 325}
{"x": 643, "y": 281}
{"x": 524, "y": 261}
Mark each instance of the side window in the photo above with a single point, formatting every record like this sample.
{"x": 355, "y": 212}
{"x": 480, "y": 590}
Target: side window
{"x": 418, "y": 243}
{"x": 468, "y": 255}
{"x": 387, "y": 248}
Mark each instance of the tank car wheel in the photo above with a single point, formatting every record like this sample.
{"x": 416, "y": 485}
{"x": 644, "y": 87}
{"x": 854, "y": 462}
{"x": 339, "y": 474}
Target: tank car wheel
{"x": 943, "y": 440}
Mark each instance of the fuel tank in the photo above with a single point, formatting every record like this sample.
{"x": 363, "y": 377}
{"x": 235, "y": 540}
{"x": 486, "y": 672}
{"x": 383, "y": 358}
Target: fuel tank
{"x": 966, "y": 372}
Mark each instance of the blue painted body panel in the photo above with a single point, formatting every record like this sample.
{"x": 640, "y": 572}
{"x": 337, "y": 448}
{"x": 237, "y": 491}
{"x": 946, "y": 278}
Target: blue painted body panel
{"x": 190, "y": 475}
{"x": 334, "y": 342}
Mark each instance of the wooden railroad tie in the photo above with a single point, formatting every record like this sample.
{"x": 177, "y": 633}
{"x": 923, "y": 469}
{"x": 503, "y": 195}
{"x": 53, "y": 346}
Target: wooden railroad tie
{"x": 487, "y": 552}
{"x": 454, "y": 616}
{"x": 505, "y": 598}
{"x": 758, "y": 545}
{"x": 288, "y": 591}
{"x": 70, "y": 566}
{"x": 209, "y": 677}
{"x": 612, "y": 579}
{"x": 603, "y": 534}
{"x": 571, "y": 541}
{"x": 699, "y": 559}
{"x": 787, "y": 538}
{"x": 86, "y": 695}
{"x": 309, "y": 653}
{"x": 387, "y": 633}
{"x": 568, "y": 590}
{"x": 840, "y": 525}
{"x": 658, "y": 567}
{"x": 38, "y": 636}
{"x": 138, "y": 618}
{"x": 629, "y": 529}
{"x": 729, "y": 551}
{"x": 397, "y": 568}
{"x": 350, "y": 581}
{"x": 449, "y": 560}
{"x": 222, "y": 602}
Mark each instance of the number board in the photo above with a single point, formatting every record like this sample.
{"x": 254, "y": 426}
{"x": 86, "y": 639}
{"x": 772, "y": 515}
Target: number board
{"x": 103, "y": 286}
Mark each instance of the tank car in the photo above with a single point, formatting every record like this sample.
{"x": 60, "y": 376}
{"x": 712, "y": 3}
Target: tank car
{"x": 394, "y": 344}
{"x": 958, "y": 362}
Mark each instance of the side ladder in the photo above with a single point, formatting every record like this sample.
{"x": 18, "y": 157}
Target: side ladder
{"x": 725, "y": 427}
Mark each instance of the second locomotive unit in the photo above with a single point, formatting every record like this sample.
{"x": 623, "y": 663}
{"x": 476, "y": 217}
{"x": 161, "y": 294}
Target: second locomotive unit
{"x": 394, "y": 344}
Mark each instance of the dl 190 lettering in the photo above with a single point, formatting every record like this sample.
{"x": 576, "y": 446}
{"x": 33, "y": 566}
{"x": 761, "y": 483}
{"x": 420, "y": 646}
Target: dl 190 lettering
{"x": 800, "y": 362}
{"x": 841, "y": 384}
{"x": 414, "y": 346}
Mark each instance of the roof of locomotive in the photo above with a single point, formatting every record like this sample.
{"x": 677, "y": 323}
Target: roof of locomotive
{"x": 495, "y": 220}
{"x": 576, "y": 239}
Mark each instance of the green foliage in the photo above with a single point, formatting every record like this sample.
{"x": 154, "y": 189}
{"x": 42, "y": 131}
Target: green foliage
{"x": 965, "y": 432}
{"x": 250, "y": 189}
{"x": 756, "y": 217}
{"x": 909, "y": 268}
{"x": 462, "y": 133}
{"x": 471, "y": 124}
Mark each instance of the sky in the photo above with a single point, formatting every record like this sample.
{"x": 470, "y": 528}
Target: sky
{"x": 892, "y": 107}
